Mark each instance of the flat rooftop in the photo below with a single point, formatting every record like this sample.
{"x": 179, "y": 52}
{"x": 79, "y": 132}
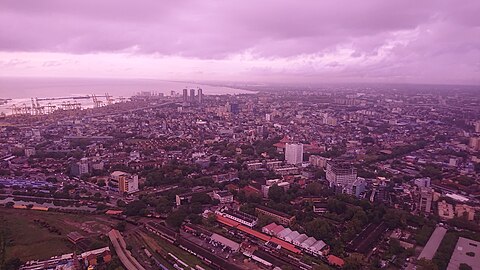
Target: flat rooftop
{"x": 433, "y": 243}
{"x": 466, "y": 251}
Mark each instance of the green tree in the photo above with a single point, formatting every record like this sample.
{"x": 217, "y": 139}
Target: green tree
{"x": 176, "y": 218}
{"x": 395, "y": 248}
{"x": 211, "y": 220}
{"x": 319, "y": 229}
{"x": 426, "y": 265}
{"x": 353, "y": 262}
{"x": 136, "y": 208}
{"x": 422, "y": 236}
{"x": 314, "y": 188}
{"x": 163, "y": 205}
{"x": 276, "y": 193}
{"x": 201, "y": 198}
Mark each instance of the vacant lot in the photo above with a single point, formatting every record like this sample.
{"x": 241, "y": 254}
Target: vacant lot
{"x": 28, "y": 240}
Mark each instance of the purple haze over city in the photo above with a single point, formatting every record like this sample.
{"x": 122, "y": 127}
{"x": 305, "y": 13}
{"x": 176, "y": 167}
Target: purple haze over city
{"x": 253, "y": 41}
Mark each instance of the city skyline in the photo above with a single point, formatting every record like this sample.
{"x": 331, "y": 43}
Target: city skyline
{"x": 283, "y": 42}
{"x": 252, "y": 135}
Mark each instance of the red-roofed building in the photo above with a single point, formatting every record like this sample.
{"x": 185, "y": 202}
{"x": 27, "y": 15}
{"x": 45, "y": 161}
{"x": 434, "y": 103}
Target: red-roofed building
{"x": 282, "y": 144}
{"x": 251, "y": 190}
{"x": 114, "y": 212}
{"x": 227, "y": 221}
{"x": 257, "y": 234}
{"x": 334, "y": 260}
{"x": 285, "y": 245}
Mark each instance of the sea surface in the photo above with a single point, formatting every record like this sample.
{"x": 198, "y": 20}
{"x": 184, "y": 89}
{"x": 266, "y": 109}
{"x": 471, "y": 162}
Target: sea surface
{"x": 20, "y": 91}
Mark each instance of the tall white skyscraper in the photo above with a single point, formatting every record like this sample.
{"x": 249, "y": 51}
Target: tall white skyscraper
{"x": 294, "y": 153}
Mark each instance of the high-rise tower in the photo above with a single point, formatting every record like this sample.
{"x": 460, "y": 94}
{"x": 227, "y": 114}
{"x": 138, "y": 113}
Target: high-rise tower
{"x": 294, "y": 153}
{"x": 192, "y": 95}
{"x": 200, "y": 95}
{"x": 185, "y": 95}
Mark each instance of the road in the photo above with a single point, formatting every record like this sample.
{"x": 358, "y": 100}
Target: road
{"x": 126, "y": 258}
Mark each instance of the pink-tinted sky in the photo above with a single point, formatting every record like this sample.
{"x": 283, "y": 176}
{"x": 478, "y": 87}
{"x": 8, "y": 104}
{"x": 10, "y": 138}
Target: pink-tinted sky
{"x": 416, "y": 41}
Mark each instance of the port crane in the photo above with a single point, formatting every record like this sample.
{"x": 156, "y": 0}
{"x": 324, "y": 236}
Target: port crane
{"x": 68, "y": 103}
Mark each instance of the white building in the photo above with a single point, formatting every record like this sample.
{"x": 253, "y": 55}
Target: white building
{"x": 29, "y": 151}
{"x": 308, "y": 243}
{"x": 284, "y": 233}
{"x": 426, "y": 197}
{"x": 299, "y": 239}
{"x": 340, "y": 174}
{"x": 317, "y": 247}
{"x": 123, "y": 182}
{"x": 422, "y": 182}
{"x": 241, "y": 217}
{"x": 318, "y": 161}
{"x": 269, "y": 183}
{"x": 80, "y": 168}
{"x": 223, "y": 196}
{"x": 294, "y": 153}
{"x": 290, "y": 237}
{"x": 356, "y": 188}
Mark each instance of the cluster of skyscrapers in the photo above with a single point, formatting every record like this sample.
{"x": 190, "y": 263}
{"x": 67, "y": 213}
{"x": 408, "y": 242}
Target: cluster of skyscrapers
{"x": 192, "y": 98}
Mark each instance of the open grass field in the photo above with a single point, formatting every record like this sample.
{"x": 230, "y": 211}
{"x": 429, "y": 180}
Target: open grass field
{"x": 28, "y": 240}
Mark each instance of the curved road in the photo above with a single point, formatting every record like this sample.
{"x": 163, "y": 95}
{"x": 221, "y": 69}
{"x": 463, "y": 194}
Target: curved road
{"x": 126, "y": 258}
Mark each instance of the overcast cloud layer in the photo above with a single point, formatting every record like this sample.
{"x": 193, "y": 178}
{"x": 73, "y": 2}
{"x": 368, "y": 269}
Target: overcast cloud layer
{"x": 307, "y": 41}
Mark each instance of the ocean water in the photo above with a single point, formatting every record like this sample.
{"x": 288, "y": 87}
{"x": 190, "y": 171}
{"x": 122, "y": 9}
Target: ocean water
{"x": 22, "y": 90}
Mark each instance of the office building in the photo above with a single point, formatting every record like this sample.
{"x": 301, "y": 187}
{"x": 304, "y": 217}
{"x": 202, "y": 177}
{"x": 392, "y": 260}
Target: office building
{"x": 340, "y": 174}
{"x": 268, "y": 117}
{"x": 426, "y": 196}
{"x": 294, "y": 153}
{"x": 474, "y": 143}
{"x": 185, "y": 95}
{"x": 30, "y": 151}
{"x": 357, "y": 187}
{"x": 445, "y": 210}
{"x": 318, "y": 161}
{"x": 422, "y": 182}
{"x": 379, "y": 192}
{"x": 223, "y": 196}
{"x": 192, "y": 95}
{"x": 234, "y": 108}
{"x": 123, "y": 182}
{"x": 465, "y": 211}
{"x": 80, "y": 168}
{"x": 200, "y": 95}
